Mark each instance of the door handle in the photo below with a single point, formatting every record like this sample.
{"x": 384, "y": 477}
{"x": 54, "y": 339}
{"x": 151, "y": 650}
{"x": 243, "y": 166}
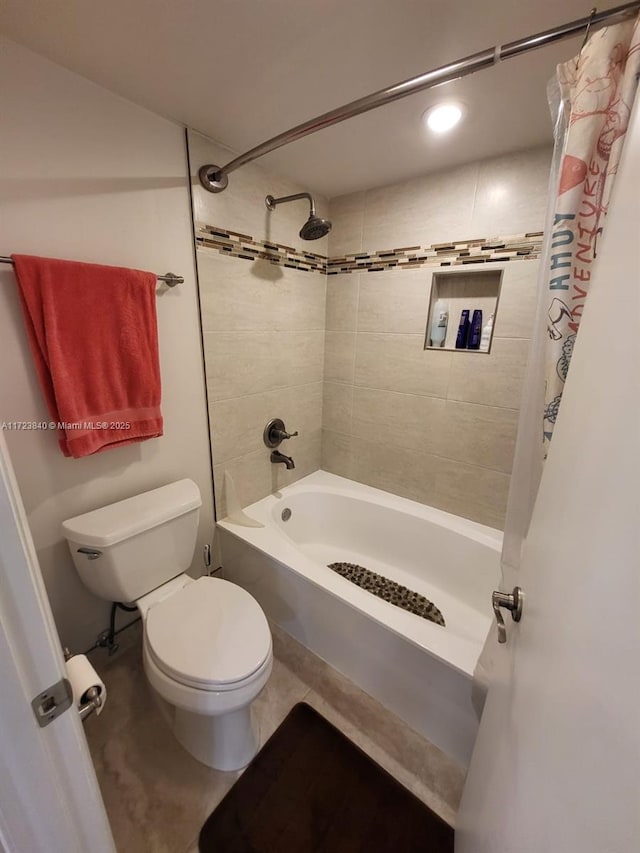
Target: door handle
{"x": 512, "y": 602}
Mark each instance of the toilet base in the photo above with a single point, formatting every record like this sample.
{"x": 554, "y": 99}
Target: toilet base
{"x": 224, "y": 741}
{"x": 215, "y": 727}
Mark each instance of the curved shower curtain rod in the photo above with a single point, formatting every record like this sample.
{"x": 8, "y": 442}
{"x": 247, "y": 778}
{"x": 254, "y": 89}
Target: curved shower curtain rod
{"x": 215, "y": 178}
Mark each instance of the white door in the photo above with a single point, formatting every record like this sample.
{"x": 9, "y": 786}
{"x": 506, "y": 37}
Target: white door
{"x": 556, "y": 767}
{"x": 49, "y": 796}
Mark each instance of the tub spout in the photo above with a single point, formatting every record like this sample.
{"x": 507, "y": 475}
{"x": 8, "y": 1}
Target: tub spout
{"x": 276, "y": 456}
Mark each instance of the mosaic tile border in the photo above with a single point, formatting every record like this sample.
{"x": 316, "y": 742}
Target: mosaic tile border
{"x": 483, "y": 250}
{"x": 238, "y": 245}
{"x": 478, "y": 251}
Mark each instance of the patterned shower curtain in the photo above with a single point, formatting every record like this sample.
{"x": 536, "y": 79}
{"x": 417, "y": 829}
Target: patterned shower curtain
{"x": 591, "y": 102}
{"x": 597, "y": 89}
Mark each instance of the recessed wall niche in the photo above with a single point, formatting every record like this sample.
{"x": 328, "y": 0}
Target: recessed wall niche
{"x": 459, "y": 291}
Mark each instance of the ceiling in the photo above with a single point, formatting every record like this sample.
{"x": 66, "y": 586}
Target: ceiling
{"x": 241, "y": 71}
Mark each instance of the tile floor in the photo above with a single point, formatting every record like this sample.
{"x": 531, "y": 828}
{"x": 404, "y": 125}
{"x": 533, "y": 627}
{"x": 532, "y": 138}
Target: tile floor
{"x": 157, "y": 796}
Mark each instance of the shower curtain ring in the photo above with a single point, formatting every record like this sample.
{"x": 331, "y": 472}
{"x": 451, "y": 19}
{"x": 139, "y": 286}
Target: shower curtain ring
{"x": 587, "y": 31}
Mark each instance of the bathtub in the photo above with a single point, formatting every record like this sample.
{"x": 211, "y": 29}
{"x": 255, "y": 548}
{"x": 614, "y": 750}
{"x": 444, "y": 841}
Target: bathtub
{"x": 416, "y": 668}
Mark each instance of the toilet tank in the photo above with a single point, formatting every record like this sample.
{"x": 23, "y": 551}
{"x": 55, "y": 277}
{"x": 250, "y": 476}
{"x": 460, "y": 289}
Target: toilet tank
{"x": 125, "y": 550}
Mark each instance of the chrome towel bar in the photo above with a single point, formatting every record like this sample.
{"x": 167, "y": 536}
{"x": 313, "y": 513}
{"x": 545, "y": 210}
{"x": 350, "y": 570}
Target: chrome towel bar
{"x": 170, "y": 278}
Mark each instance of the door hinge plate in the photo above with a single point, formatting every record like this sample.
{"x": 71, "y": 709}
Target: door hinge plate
{"x": 52, "y": 702}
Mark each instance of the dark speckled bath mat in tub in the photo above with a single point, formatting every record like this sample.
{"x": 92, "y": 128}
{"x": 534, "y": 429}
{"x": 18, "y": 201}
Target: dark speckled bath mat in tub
{"x": 310, "y": 790}
{"x": 390, "y": 591}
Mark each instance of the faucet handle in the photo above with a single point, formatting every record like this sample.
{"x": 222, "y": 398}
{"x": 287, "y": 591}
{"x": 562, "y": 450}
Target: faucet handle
{"x": 284, "y": 434}
{"x": 275, "y": 433}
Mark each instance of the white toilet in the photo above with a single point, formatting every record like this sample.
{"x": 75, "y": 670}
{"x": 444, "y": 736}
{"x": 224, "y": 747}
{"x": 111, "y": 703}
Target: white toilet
{"x": 207, "y": 645}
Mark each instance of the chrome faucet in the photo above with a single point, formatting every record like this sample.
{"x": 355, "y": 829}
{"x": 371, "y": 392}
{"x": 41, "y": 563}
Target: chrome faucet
{"x": 276, "y": 456}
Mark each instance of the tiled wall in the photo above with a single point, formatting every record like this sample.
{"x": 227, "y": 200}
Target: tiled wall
{"x": 437, "y": 427}
{"x": 329, "y": 335}
{"x": 505, "y": 195}
{"x": 263, "y": 326}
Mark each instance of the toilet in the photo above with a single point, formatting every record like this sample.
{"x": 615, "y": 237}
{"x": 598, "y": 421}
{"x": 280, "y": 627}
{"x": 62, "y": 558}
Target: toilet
{"x": 207, "y": 647}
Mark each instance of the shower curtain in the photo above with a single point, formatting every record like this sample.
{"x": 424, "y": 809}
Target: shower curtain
{"x": 590, "y": 100}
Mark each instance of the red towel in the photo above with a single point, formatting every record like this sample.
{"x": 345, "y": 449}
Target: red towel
{"x": 94, "y": 338}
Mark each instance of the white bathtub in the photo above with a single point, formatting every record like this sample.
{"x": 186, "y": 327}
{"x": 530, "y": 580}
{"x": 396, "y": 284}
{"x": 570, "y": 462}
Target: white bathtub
{"x": 420, "y": 670}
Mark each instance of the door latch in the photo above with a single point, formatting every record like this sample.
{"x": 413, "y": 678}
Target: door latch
{"x": 512, "y": 602}
{"x": 52, "y": 702}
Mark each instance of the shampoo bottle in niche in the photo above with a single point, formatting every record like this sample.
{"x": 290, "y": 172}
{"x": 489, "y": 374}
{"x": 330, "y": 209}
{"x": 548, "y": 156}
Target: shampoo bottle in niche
{"x": 439, "y": 321}
{"x": 463, "y": 330}
{"x": 475, "y": 332}
{"x": 485, "y": 338}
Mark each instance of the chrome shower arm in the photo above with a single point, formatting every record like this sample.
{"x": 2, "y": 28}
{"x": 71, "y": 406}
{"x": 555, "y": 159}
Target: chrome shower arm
{"x": 314, "y": 227}
{"x": 271, "y": 202}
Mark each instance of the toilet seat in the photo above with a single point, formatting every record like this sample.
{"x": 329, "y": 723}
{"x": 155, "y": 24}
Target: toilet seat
{"x": 211, "y": 635}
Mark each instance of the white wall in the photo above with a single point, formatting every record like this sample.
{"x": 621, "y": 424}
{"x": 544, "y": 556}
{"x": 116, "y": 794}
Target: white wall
{"x": 87, "y": 175}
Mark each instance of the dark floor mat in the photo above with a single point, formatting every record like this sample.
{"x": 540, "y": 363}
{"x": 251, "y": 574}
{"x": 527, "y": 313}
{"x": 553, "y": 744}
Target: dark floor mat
{"x": 390, "y": 591}
{"x": 310, "y": 790}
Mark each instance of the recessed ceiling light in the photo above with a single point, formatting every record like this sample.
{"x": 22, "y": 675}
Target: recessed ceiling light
{"x": 442, "y": 118}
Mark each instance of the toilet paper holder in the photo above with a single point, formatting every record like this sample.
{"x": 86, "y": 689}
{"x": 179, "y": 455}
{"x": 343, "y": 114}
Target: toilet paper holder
{"x": 94, "y": 701}
{"x": 93, "y": 696}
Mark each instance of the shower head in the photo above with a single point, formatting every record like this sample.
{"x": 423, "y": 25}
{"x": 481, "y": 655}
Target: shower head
{"x": 315, "y": 227}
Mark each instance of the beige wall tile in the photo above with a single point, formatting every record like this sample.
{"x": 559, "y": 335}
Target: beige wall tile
{"x": 403, "y": 472}
{"x": 301, "y": 356}
{"x": 342, "y": 302}
{"x": 240, "y": 363}
{"x": 493, "y": 379}
{"x": 434, "y": 209}
{"x": 512, "y": 193}
{"x": 395, "y": 302}
{"x": 480, "y": 435}
{"x": 472, "y": 492}
{"x": 238, "y": 423}
{"x": 241, "y": 295}
{"x": 437, "y": 427}
{"x": 336, "y": 453}
{"x": 518, "y": 296}
{"x": 337, "y": 407}
{"x": 302, "y": 410}
{"x": 400, "y": 363}
{"x": 347, "y": 215}
{"x": 251, "y": 476}
{"x": 401, "y": 420}
{"x": 340, "y": 349}
{"x": 255, "y": 476}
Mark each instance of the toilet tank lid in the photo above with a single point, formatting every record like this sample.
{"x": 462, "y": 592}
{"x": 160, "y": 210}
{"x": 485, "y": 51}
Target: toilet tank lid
{"x": 124, "y": 519}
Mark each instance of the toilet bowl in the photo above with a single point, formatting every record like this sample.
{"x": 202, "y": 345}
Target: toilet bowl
{"x": 207, "y": 648}
{"x": 207, "y": 652}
